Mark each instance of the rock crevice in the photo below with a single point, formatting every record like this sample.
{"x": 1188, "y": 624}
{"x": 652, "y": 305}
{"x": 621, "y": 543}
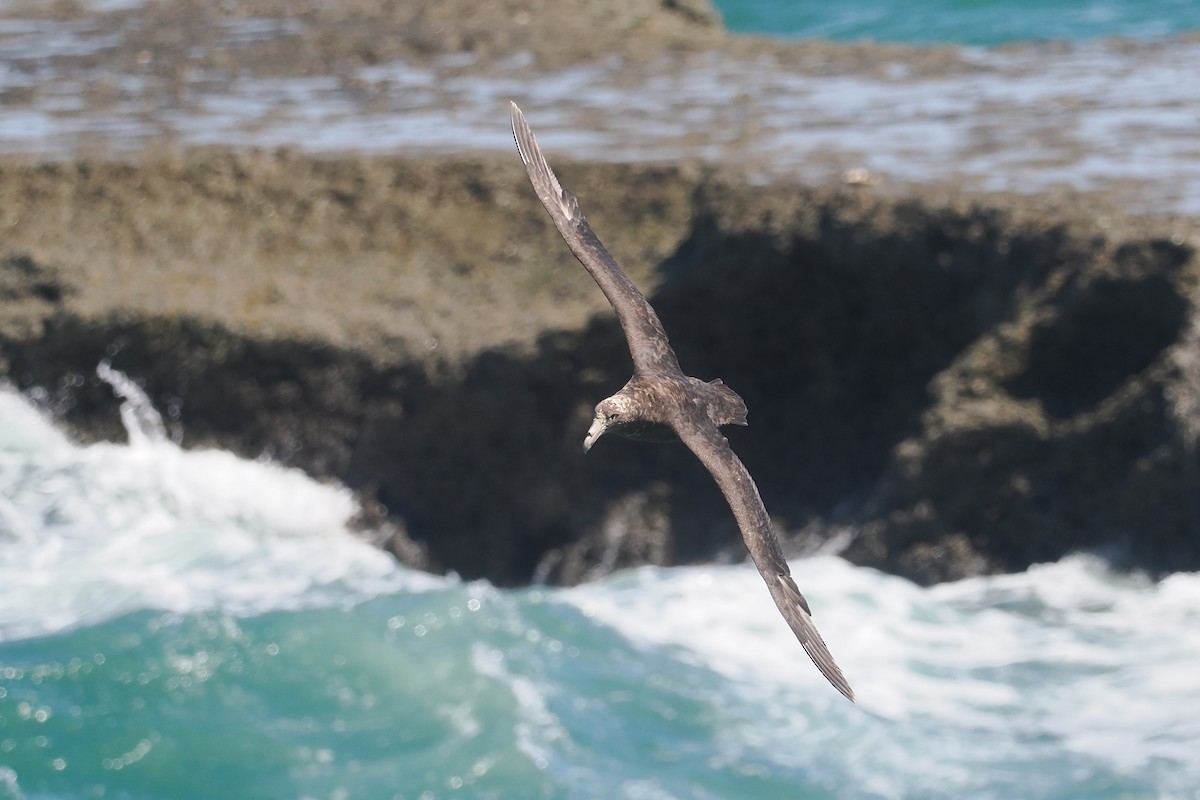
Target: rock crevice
{"x": 965, "y": 383}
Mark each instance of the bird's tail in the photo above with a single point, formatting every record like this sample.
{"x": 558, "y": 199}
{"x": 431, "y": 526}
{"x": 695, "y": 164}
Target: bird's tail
{"x": 726, "y": 407}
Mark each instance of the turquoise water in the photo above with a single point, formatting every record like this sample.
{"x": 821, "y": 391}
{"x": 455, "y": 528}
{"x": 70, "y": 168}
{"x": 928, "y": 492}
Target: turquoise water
{"x": 978, "y": 22}
{"x": 187, "y": 624}
{"x": 1116, "y": 116}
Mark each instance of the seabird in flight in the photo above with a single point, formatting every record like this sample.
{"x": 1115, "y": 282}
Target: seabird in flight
{"x": 660, "y": 399}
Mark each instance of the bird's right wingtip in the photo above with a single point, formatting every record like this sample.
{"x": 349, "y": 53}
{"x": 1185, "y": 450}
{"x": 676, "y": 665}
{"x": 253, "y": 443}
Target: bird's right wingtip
{"x": 522, "y": 135}
{"x": 517, "y": 117}
{"x": 514, "y": 115}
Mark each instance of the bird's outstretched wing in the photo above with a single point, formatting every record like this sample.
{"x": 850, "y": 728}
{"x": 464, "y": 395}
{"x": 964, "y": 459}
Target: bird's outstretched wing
{"x": 648, "y": 343}
{"x": 739, "y": 489}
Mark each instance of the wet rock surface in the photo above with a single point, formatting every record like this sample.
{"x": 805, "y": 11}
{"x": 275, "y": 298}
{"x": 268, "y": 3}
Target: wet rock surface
{"x": 941, "y": 382}
{"x": 944, "y": 383}
{"x": 634, "y": 80}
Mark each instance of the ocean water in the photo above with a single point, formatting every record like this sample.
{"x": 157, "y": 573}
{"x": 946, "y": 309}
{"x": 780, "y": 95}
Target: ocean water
{"x": 1113, "y": 115}
{"x": 191, "y": 625}
{"x": 188, "y": 624}
{"x": 974, "y": 22}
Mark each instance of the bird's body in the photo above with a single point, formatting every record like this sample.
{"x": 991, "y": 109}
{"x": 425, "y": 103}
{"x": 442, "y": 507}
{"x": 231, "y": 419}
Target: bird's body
{"x": 646, "y": 406}
{"x": 660, "y": 402}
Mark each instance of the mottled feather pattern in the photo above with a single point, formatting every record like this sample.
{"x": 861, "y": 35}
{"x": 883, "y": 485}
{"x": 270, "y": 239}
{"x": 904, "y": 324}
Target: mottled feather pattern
{"x": 660, "y": 394}
{"x": 726, "y": 407}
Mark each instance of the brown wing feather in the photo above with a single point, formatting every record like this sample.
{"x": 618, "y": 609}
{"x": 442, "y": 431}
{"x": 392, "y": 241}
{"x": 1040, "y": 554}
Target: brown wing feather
{"x": 739, "y": 489}
{"x": 648, "y": 343}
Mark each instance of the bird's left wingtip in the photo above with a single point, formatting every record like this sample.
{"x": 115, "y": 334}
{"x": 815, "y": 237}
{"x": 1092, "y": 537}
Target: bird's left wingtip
{"x": 829, "y": 668}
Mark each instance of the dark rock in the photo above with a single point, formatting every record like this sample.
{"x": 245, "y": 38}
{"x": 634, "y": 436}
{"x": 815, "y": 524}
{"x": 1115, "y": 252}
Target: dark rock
{"x": 968, "y": 384}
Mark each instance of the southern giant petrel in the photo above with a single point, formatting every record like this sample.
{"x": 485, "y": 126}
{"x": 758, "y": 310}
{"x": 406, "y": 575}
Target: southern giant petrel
{"x": 660, "y": 398}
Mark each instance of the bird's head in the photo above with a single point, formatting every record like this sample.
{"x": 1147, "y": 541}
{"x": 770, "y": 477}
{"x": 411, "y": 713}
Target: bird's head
{"x": 609, "y": 412}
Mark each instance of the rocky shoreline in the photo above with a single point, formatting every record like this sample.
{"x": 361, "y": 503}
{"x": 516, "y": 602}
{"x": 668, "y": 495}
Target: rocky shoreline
{"x": 948, "y": 384}
{"x": 940, "y": 382}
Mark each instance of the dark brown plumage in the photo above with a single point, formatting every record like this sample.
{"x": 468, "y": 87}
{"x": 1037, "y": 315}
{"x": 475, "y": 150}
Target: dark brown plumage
{"x": 660, "y": 398}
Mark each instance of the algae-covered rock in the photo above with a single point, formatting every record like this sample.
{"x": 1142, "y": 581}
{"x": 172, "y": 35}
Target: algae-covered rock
{"x": 962, "y": 383}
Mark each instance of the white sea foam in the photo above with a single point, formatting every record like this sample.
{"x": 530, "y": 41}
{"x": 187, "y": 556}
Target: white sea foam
{"x": 1086, "y": 115}
{"x": 1065, "y": 668}
{"x": 1067, "y": 680}
{"x": 88, "y": 533}
{"x": 141, "y": 419}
